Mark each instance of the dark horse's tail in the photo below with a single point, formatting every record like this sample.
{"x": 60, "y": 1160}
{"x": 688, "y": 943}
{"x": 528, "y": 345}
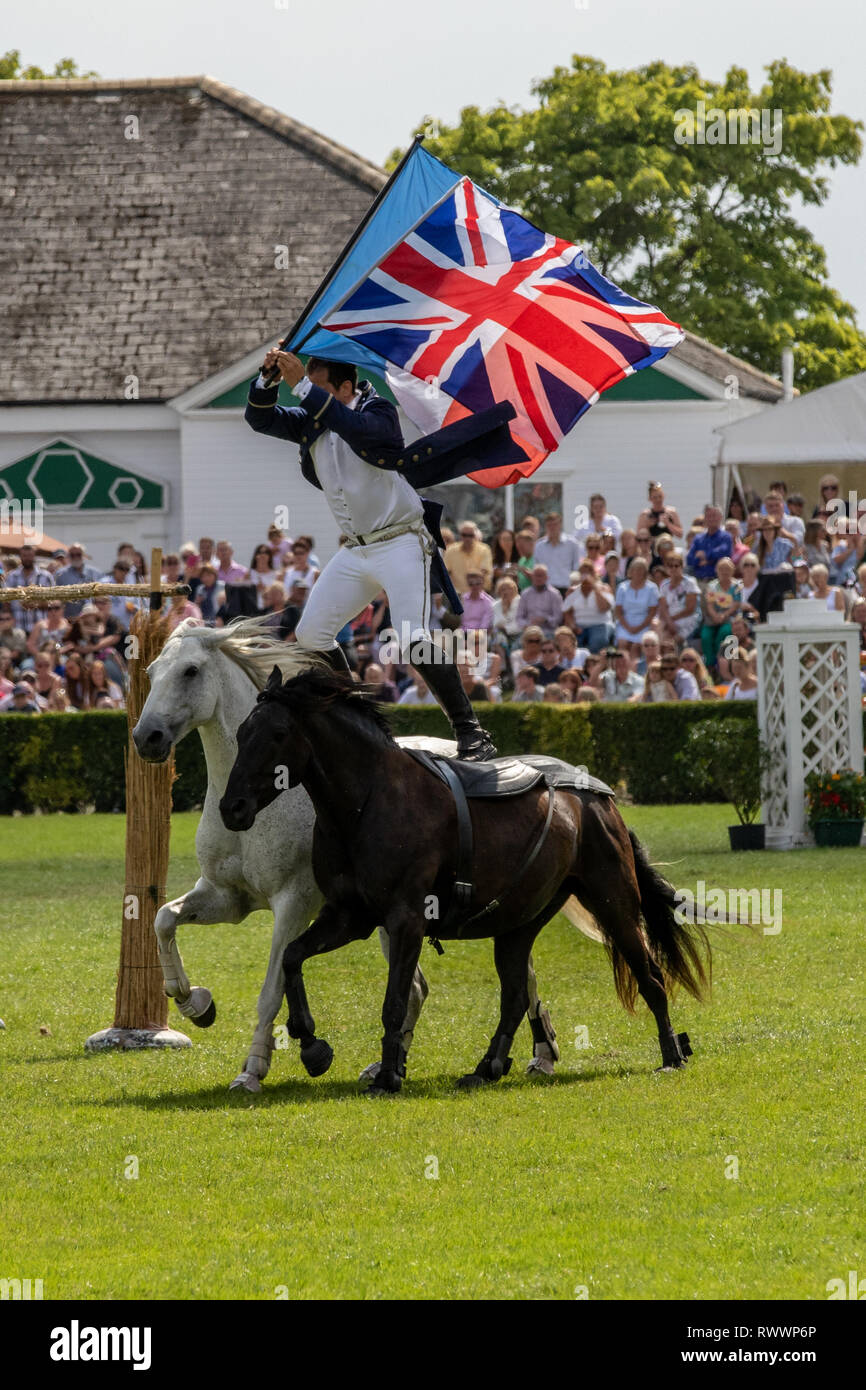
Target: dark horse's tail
{"x": 681, "y": 950}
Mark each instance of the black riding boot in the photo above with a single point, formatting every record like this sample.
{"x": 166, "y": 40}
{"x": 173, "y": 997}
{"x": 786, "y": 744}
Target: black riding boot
{"x": 474, "y": 744}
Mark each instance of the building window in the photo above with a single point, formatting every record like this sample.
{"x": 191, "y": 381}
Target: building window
{"x": 466, "y": 501}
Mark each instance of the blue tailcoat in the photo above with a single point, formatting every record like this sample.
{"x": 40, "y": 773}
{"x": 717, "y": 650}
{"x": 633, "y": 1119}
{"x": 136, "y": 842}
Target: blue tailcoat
{"x": 372, "y": 431}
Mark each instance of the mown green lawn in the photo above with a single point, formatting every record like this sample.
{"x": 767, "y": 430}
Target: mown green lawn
{"x": 610, "y": 1178}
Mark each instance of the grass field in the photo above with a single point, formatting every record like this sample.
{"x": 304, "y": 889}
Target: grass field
{"x": 611, "y": 1178}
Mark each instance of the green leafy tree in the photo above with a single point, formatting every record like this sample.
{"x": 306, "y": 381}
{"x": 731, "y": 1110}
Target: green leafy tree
{"x": 708, "y": 231}
{"x": 10, "y": 67}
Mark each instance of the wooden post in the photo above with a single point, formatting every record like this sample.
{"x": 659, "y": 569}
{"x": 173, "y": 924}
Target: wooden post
{"x": 141, "y": 1006}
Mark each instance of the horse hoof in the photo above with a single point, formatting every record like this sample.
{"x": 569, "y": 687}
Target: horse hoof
{"x": 246, "y": 1082}
{"x": 540, "y": 1066}
{"x": 471, "y": 1081}
{"x": 206, "y": 1019}
{"x": 671, "y": 1066}
{"x": 370, "y": 1073}
{"x": 317, "y": 1057}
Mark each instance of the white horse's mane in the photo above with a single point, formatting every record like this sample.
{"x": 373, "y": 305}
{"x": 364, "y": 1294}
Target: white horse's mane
{"x": 250, "y": 643}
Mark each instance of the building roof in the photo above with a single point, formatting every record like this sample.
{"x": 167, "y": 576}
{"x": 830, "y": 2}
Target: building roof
{"x": 149, "y": 216}
{"x": 825, "y": 427}
{"x": 158, "y": 257}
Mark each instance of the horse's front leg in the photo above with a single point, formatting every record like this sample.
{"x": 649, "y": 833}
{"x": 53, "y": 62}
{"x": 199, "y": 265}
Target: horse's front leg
{"x": 293, "y": 911}
{"x": 336, "y": 925}
{"x": 406, "y": 937}
{"x": 206, "y": 903}
{"x": 418, "y": 992}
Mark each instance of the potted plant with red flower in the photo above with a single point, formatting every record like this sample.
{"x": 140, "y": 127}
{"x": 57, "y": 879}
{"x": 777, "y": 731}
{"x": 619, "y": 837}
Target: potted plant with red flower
{"x": 836, "y": 806}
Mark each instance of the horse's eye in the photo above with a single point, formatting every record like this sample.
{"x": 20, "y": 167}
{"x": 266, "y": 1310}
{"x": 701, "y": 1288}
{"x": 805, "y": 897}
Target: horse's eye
{"x": 190, "y": 672}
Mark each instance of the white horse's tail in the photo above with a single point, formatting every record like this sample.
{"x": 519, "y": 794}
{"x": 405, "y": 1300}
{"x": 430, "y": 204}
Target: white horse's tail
{"x": 583, "y": 920}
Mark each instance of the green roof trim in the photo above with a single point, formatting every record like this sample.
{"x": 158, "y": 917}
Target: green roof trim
{"x": 66, "y": 477}
{"x": 650, "y": 385}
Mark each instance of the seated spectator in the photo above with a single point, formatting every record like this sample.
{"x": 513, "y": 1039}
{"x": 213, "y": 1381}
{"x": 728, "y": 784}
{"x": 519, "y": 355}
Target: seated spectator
{"x": 172, "y": 571}
{"x": 525, "y": 684}
{"x": 6, "y": 672}
{"x": 11, "y": 636}
{"x": 301, "y": 566}
{"x": 58, "y": 701}
{"x": 525, "y": 543}
{"x": 549, "y": 667}
{"x": 627, "y": 550}
{"x": 570, "y": 682}
{"x": 593, "y": 552}
{"x": 679, "y": 600}
{"x": 571, "y": 656}
{"x": 744, "y": 686}
{"x": 472, "y": 684}
{"x": 792, "y": 528}
{"x": 830, "y": 596}
{"x": 740, "y": 549}
{"x": 588, "y": 609}
{"x": 774, "y": 549}
{"x": 208, "y": 595}
{"x": 28, "y": 574}
{"x": 382, "y": 690}
{"x": 659, "y": 685}
{"x": 21, "y": 701}
{"x": 529, "y": 652}
{"x": 533, "y": 526}
{"x": 76, "y": 572}
{"x": 506, "y": 624}
{"x": 650, "y": 651}
{"x": 554, "y": 695}
{"x": 611, "y": 577}
{"x": 280, "y": 546}
{"x": 265, "y": 570}
{"x": 121, "y": 607}
{"x": 845, "y": 557}
{"x": 691, "y": 663}
{"x": 417, "y": 693}
{"x": 53, "y": 626}
{"x": 586, "y": 695}
{"x": 228, "y": 571}
{"x": 637, "y": 600}
{"x": 540, "y": 605}
{"x": 505, "y": 555}
{"x": 600, "y": 519}
{"x": 47, "y": 679}
{"x": 658, "y": 518}
{"x": 829, "y": 500}
{"x": 559, "y": 553}
{"x": 815, "y": 547}
{"x": 76, "y": 679}
{"x": 616, "y": 680}
{"x": 751, "y": 577}
{"x": 101, "y": 685}
{"x": 737, "y": 513}
{"x": 723, "y": 598}
{"x": 802, "y": 587}
{"x": 468, "y": 554}
{"x": 709, "y": 546}
{"x": 477, "y": 613}
{"x": 179, "y": 609}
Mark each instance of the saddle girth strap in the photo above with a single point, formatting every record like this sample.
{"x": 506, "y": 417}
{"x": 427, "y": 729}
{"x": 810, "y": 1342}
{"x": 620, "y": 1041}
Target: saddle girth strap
{"x": 463, "y": 888}
{"x": 524, "y": 868}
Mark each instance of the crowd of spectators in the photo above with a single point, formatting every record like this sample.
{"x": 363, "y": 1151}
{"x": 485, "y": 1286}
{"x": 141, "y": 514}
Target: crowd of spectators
{"x": 657, "y": 611}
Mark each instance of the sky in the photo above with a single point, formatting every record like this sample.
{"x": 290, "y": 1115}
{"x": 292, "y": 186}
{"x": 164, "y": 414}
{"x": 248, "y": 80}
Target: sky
{"x": 366, "y": 73}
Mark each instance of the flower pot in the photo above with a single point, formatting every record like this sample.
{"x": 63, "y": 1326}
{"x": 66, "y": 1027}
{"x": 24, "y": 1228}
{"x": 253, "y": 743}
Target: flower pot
{"x": 746, "y": 836}
{"x": 838, "y": 832}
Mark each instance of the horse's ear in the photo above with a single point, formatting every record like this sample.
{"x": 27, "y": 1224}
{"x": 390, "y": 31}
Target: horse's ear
{"x": 275, "y": 679}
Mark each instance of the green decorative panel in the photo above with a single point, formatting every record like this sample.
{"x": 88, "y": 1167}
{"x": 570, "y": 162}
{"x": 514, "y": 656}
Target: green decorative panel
{"x": 63, "y": 476}
{"x": 650, "y": 385}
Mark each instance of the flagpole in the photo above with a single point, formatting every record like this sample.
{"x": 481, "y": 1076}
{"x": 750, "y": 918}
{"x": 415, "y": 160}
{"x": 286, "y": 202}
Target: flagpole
{"x": 273, "y": 375}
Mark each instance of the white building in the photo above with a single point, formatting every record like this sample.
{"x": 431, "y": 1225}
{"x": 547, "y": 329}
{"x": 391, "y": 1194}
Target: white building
{"x": 166, "y": 232}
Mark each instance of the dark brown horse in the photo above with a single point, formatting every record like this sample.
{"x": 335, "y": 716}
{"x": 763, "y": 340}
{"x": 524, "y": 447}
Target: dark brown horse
{"x": 385, "y": 850}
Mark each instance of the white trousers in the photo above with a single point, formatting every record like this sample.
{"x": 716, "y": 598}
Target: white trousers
{"x": 354, "y": 576}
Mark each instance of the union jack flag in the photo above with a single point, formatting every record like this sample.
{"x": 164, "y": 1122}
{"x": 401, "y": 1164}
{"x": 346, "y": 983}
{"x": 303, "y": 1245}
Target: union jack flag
{"x": 475, "y": 305}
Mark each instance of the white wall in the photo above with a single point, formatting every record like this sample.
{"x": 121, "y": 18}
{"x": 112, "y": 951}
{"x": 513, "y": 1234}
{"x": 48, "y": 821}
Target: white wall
{"x": 235, "y": 479}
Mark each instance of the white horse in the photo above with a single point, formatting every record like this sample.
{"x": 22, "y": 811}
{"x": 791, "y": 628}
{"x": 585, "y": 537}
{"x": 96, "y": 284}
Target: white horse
{"x": 208, "y": 679}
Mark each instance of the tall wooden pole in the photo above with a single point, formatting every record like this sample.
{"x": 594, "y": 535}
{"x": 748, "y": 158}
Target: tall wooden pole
{"x": 141, "y": 1005}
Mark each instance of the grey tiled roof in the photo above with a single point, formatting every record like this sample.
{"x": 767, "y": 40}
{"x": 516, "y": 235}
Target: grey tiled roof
{"x": 156, "y": 256}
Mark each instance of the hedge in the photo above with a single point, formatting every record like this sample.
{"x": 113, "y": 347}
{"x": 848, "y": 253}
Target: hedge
{"x": 69, "y": 762}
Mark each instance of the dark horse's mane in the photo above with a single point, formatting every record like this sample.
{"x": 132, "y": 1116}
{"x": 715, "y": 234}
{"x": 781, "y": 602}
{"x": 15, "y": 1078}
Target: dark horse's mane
{"x": 305, "y": 694}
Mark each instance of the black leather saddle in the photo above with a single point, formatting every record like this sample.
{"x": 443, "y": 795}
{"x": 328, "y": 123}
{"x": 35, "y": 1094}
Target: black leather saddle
{"x": 511, "y": 776}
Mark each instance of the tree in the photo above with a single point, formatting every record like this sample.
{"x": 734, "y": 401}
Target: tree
{"x": 10, "y": 67}
{"x": 631, "y": 166}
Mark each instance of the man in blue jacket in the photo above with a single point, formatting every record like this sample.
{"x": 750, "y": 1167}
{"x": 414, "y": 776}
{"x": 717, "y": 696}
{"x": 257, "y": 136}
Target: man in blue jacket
{"x": 352, "y": 448}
